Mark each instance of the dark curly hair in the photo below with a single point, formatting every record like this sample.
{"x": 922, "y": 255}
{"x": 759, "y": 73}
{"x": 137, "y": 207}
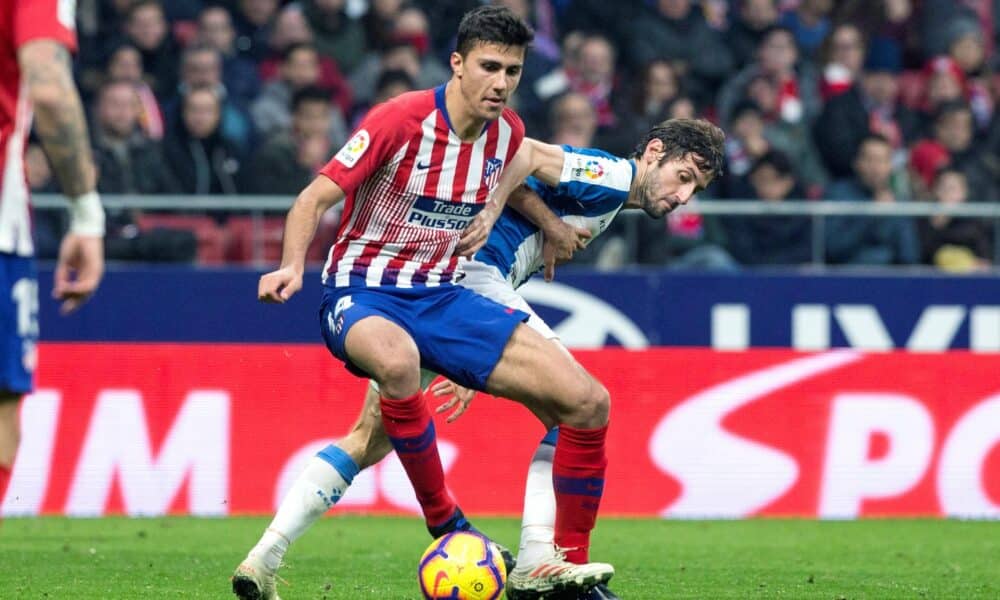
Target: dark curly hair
{"x": 682, "y": 137}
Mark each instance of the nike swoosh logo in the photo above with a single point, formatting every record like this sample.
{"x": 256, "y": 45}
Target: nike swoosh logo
{"x": 422, "y": 167}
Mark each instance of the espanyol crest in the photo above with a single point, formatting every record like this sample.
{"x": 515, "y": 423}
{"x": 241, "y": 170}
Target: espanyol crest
{"x": 491, "y": 172}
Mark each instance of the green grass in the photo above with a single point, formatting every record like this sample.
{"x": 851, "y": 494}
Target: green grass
{"x": 375, "y": 557}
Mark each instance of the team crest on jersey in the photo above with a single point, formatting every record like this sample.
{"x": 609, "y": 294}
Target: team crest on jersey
{"x": 588, "y": 170}
{"x": 354, "y": 149}
{"x": 491, "y": 172}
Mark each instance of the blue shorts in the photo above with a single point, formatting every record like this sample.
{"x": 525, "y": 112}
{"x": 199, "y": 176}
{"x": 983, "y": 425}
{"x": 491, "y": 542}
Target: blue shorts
{"x": 18, "y": 323}
{"x": 459, "y": 333}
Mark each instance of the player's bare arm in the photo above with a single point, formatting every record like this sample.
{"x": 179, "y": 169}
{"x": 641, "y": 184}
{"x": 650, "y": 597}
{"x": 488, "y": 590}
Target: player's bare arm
{"x": 62, "y": 128}
{"x": 300, "y": 228}
{"x": 560, "y": 239}
{"x": 544, "y": 161}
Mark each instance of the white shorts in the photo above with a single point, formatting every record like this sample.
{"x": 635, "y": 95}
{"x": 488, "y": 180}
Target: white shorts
{"x": 487, "y": 281}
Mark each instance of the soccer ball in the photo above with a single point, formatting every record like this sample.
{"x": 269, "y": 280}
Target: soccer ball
{"x": 462, "y": 565}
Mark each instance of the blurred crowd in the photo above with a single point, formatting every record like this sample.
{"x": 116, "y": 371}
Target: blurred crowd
{"x": 883, "y": 101}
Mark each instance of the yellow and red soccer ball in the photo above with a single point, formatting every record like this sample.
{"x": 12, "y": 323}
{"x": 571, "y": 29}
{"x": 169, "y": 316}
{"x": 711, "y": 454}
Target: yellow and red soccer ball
{"x": 462, "y": 565}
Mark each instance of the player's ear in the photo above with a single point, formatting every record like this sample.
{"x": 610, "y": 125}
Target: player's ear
{"x": 654, "y": 150}
{"x": 456, "y": 61}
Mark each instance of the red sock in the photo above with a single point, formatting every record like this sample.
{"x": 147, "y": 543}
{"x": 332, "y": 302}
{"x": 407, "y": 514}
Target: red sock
{"x": 4, "y": 480}
{"x": 411, "y": 431}
{"x": 578, "y": 478}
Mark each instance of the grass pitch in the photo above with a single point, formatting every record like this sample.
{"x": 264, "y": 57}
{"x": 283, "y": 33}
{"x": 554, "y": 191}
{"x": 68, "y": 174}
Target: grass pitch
{"x": 375, "y": 557}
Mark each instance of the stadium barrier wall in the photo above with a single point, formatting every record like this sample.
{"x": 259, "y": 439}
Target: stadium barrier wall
{"x": 174, "y": 392}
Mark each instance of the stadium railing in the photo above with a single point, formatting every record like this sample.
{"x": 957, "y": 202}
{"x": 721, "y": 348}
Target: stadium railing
{"x": 817, "y": 210}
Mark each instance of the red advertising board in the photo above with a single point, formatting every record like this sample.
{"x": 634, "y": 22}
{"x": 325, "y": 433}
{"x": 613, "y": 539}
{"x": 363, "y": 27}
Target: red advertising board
{"x": 223, "y": 429}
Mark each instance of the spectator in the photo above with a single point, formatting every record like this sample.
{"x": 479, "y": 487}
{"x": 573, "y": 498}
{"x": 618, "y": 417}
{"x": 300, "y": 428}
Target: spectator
{"x": 272, "y": 110}
{"x": 954, "y": 243}
{"x": 771, "y": 240}
{"x": 843, "y": 56}
{"x": 291, "y": 28}
{"x": 573, "y": 121}
{"x": 391, "y": 84}
{"x": 752, "y": 136}
{"x": 201, "y": 66}
{"x": 379, "y": 22}
{"x": 398, "y": 55}
{"x": 125, "y": 64}
{"x": 810, "y": 23}
{"x": 754, "y": 18}
{"x": 871, "y": 106}
{"x": 797, "y": 100}
{"x": 658, "y": 86}
{"x": 127, "y": 161}
{"x": 943, "y": 82}
{"x": 289, "y": 160}
{"x": 253, "y": 20}
{"x": 870, "y": 240}
{"x": 953, "y": 129}
{"x": 146, "y": 28}
{"x": 201, "y": 158}
{"x": 927, "y": 157}
{"x": 337, "y": 35}
{"x": 676, "y": 31}
{"x": 239, "y": 74}
{"x": 534, "y": 100}
{"x": 968, "y": 51}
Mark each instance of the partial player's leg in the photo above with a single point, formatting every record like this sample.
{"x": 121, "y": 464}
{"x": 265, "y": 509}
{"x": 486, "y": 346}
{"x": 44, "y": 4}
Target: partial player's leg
{"x": 497, "y": 352}
{"x": 10, "y": 436}
{"x": 320, "y": 485}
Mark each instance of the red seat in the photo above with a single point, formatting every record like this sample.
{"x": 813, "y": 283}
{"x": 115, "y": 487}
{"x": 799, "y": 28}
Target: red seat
{"x": 243, "y": 233}
{"x": 211, "y": 238}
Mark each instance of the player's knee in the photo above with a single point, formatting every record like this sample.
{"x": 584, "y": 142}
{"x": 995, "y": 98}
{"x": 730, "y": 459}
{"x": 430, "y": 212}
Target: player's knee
{"x": 591, "y": 404}
{"x": 399, "y": 376}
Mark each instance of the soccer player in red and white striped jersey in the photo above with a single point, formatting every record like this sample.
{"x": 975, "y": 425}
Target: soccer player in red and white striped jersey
{"x": 36, "y": 38}
{"x": 422, "y": 179}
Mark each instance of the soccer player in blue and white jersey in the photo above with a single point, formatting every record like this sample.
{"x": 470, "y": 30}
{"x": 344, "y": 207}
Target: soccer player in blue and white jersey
{"x": 573, "y": 198}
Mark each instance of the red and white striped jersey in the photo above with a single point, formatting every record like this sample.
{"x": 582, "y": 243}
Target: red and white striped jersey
{"x": 22, "y": 21}
{"x": 412, "y": 186}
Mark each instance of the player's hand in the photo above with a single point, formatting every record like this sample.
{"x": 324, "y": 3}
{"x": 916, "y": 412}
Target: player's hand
{"x": 559, "y": 243}
{"x": 78, "y": 271}
{"x": 278, "y": 286}
{"x": 460, "y": 396}
{"x": 475, "y": 235}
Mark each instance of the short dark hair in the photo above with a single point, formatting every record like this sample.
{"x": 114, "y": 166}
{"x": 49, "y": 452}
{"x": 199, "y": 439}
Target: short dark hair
{"x": 311, "y": 93}
{"x": 492, "y": 25}
{"x": 873, "y": 137}
{"x": 682, "y": 137}
{"x": 393, "y": 77}
{"x": 287, "y": 53}
{"x": 777, "y": 161}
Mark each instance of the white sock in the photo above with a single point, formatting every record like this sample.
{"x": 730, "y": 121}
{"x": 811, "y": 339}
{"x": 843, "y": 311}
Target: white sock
{"x": 318, "y": 488}
{"x": 538, "y": 522}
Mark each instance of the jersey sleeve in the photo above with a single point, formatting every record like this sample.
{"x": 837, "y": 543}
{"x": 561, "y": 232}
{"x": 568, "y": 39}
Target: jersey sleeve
{"x": 370, "y": 147}
{"x": 594, "y": 177}
{"x": 45, "y": 20}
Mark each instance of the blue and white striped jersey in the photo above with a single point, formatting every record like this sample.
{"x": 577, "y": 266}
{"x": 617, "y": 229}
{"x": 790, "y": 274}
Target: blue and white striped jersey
{"x": 592, "y": 188}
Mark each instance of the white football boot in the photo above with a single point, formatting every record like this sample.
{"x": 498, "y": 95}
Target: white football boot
{"x": 555, "y": 576}
{"x": 254, "y": 581}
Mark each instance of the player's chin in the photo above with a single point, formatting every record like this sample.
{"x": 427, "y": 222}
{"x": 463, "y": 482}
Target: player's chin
{"x": 492, "y": 110}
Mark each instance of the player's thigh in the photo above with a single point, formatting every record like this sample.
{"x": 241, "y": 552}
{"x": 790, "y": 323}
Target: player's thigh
{"x": 540, "y": 374}
{"x": 385, "y": 350}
